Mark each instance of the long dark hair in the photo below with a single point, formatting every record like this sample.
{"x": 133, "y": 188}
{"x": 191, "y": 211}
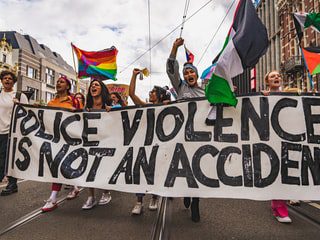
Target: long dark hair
{"x": 105, "y": 95}
{"x": 162, "y": 93}
{"x": 121, "y": 102}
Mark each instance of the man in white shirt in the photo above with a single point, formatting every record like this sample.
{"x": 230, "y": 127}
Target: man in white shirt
{"x": 7, "y": 98}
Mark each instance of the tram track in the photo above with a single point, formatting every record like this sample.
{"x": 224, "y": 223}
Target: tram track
{"x": 162, "y": 220}
{"x": 161, "y": 229}
{"x": 159, "y": 226}
{"x": 28, "y": 217}
{"x": 306, "y": 217}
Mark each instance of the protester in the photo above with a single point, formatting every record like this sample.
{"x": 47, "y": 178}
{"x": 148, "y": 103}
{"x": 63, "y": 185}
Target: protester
{"x": 63, "y": 99}
{"x": 80, "y": 98}
{"x": 7, "y": 98}
{"x": 98, "y": 97}
{"x": 186, "y": 88}
{"x": 279, "y": 207}
{"x": 156, "y": 95}
{"x": 117, "y": 101}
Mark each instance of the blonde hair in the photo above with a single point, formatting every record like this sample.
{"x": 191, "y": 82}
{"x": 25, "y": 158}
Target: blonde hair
{"x": 266, "y": 77}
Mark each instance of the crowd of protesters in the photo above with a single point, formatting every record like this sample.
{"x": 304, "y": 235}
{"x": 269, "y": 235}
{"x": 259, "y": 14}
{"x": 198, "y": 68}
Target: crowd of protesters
{"x": 98, "y": 97}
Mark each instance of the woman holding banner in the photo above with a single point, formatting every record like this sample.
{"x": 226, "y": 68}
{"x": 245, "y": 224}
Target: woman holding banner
{"x": 273, "y": 81}
{"x": 98, "y": 98}
{"x": 63, "y": 99}
{"x": 186, "y": 88}
{"x": 7, "y": 98}
{"x": 156, "y": 95}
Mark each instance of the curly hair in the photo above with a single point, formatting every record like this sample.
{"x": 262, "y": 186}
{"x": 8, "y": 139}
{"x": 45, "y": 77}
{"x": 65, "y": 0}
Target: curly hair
{"x": 7, "y": 72}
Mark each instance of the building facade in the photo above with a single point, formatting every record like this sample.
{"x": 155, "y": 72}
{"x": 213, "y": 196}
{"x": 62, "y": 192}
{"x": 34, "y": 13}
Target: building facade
{"x": 6, "y": 57}
{"x": 268, "y": 13}
{"x": 38, "y": 68}
{"x": 284, "y": 53}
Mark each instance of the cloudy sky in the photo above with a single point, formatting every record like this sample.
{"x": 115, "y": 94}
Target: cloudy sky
{"x": 99, "y": 24}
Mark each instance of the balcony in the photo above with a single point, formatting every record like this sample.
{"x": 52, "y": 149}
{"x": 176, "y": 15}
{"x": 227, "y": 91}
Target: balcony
{"x": 293, "y": 64}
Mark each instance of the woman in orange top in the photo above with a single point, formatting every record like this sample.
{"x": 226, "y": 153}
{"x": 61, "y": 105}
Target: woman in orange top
{"x": 63, "y": 99}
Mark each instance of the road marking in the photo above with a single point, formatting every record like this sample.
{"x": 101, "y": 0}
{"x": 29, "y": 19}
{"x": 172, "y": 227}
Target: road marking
{"x": 316, "y": 205}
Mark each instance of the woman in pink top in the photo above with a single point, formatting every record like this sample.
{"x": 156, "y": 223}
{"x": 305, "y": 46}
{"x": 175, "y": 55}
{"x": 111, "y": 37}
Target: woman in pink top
{"x": 279, "y": 207}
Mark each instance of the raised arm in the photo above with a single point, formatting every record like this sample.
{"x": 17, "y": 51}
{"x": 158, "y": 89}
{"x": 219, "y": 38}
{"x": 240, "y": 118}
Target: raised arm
{"x": 173, "y": 65}
{"x": 132, "y": 88}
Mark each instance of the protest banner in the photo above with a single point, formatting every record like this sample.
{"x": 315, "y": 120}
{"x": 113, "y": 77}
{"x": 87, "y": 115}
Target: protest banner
{"x": 265, "y": 148}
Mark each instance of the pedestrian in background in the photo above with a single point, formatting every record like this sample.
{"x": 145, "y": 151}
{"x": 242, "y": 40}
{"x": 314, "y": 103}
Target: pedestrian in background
{"x": 81, "y": 98}
{"x": 117, "y": 101}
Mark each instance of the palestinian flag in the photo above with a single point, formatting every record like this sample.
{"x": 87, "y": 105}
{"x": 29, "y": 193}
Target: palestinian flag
{"x": 304, "y": 20}
{"x": 246, "y": 42}
{"x": 312, "y": 59}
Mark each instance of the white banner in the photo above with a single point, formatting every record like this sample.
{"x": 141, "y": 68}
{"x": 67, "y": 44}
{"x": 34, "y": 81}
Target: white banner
{"x": 266, "y": 148}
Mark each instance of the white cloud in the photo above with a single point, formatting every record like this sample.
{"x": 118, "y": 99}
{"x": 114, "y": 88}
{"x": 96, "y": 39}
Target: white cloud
{"x": 99, "y": 24}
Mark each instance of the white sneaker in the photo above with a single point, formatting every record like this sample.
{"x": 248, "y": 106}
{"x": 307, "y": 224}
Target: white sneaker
{"x": 294, "y": 202}
{"x": 105, "y": 198}
{"x": 49, "y": 206}
{"x": 89, "y": 204}
{"x": 284, "y": 219}
{"x": 153, "y": 205}
{"x": 137, "y": 209}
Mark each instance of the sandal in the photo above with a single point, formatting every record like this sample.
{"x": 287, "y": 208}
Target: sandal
{"x": 73, "y": 194}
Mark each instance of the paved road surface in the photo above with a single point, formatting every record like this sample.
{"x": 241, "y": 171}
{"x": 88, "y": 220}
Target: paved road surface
{"x": 220, "y": 219}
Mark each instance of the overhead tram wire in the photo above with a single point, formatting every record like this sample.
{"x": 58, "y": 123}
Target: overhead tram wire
{"x": 186, "y": 7}
{"x": 150, "y": 53}
{"x": 214, "y": 35}
{"x": 187, "y": 19}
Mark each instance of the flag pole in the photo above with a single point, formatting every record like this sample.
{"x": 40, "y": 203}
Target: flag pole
{"x": 74, "y": 65}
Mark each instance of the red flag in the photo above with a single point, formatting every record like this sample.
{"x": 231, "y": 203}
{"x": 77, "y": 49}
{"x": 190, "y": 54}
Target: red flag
{"x": 312, "y": 59}
{"x": 189, "y": 55}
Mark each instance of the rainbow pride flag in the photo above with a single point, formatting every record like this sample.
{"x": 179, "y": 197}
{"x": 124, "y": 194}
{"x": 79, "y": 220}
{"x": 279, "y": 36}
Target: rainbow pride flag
{"x": 100, "y": 64}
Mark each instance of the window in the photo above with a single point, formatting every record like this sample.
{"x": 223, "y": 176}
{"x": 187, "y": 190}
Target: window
{"x": 4, "y": 58}
{"x": 49, "y": 96}
{"x": 49, "y": 76}
{"x": 35, "y": 95}
{"x": 31, "y": 72}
